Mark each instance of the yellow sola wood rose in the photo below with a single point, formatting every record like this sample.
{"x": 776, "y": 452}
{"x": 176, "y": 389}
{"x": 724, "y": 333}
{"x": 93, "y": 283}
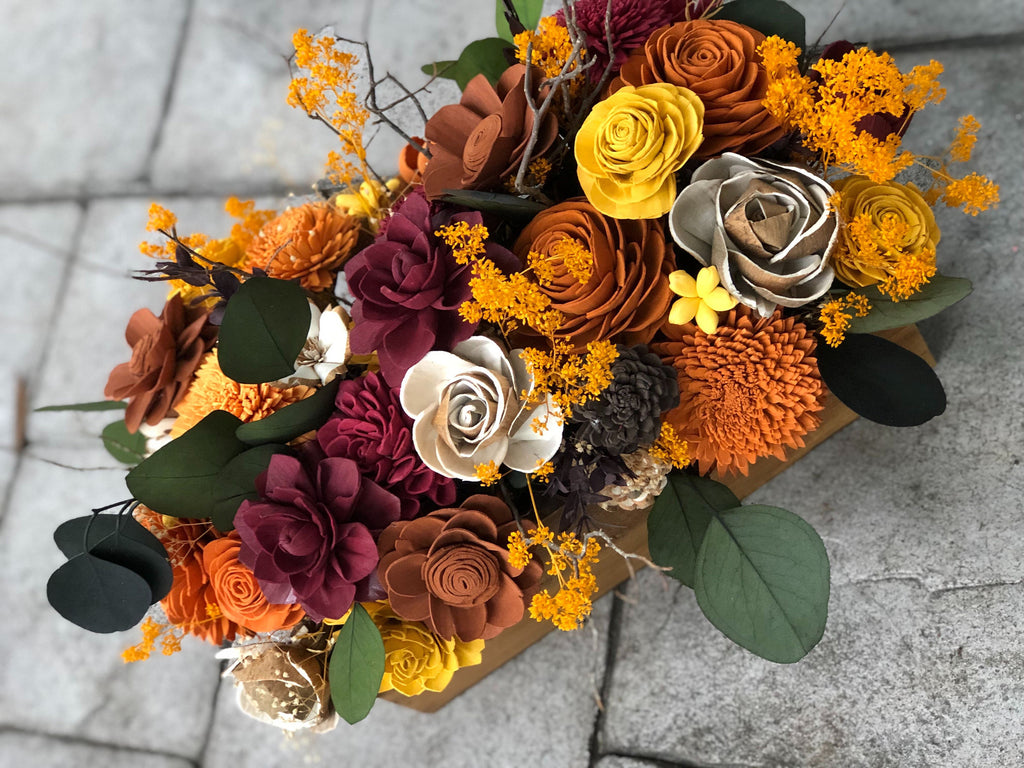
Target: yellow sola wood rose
{"x": 415, "y": 659}
{"x": 631, "y": 145}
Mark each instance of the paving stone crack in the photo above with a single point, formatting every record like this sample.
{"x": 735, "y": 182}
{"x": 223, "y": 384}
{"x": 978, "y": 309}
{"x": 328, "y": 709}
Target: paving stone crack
{"x": 657, "y": 761}
{"x": 611, "y": 650}
{"x": 96, "y": 743}
{"x": 208, "y": 736}
{"x": 920, "y": 581}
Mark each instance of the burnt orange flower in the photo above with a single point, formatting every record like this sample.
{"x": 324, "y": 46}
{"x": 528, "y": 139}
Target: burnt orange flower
{"x": 213, "y": 391}
{"x": 238, "y": 593}
{"x": 750, "y": 389}
{"x": 309, "y": 242}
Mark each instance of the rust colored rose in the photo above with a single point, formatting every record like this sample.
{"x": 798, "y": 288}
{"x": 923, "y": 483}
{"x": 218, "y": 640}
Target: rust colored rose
{"x": 451, "y": 570}
{"x": 479, "y": 142}
{"x": 627, "y": 296}
{"x": 166, "y": 351}
{"x": 238, "y": 593}
{"x": 718, "y": 61}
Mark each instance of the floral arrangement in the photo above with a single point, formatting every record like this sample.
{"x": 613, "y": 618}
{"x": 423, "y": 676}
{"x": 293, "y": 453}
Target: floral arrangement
{"x": 637, "y": 257}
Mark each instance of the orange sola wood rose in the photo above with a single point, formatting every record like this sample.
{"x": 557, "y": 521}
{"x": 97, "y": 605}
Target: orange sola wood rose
{"x": 748, "y": 390}
{"x": 451, "y": 570}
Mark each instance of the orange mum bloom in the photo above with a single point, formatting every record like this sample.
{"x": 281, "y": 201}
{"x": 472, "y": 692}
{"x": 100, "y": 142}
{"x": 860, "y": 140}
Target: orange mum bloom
{"x": 212, "y": 390}
{"x": 309, "y": 242}
{"x": 749, "y": 390}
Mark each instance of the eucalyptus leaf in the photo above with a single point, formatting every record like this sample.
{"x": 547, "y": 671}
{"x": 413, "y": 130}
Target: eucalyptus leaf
{"x": 123, "y": 445}
{"x": 264, "y": 329}
{"x": 769, "y": 17}
{"x": 881, "y": 381}
{"x": 934, "y": 296}
{"x": 182, "y": 478}
{"x": 98, "y": 595}
{"x": 139, "y": 559}
{"x": 493, "y": 202}
{"x": 292, "y": 420}
{"x": 762, "y": 578}
{"x": 100, "y": 405}
{"x": 528, "y": 11}
{"x": 356, "y": 666}
{"x": 70, "y": 535}
{"x": 236, "y": 482}
{"x": 678, "y": 519}
{"x": 481, "y": 57}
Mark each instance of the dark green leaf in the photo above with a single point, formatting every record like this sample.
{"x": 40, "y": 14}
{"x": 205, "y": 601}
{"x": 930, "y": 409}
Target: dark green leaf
{"x": 493, "y": 202}
{"x": 237, "y": 482}
{"x": 101, "y": 405}
{"x": 937, "y": 294}
{"x": 137, "y": 558}
{"x": 762, "y": 578}
{"x": 292, "y": 420}
{"x": 123, "y": 445}
{"x": 881, "y": 381}
{"x": 486, "y": 57}
{"x": 769, "y": 17}
{"x": 676, "y": 524}
{"x": 181, "y": 479}
{"x": 356, "y": 666}
{"x": 97, "y": 595}
{"x": 264, "y": 328}
{"x": 70, "y": 535}
{"x": 528, "y": 11}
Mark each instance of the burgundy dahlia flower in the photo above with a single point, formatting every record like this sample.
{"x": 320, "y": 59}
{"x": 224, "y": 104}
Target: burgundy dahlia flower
{"x": 310, "y": 537}
{"x": 408, "y": 287}
{"x": 371, "y": 428}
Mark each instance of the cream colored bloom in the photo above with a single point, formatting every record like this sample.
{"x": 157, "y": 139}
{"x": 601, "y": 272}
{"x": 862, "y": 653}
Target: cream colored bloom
{"x": 326, "y": 351}
{"x": 702, "y": 298}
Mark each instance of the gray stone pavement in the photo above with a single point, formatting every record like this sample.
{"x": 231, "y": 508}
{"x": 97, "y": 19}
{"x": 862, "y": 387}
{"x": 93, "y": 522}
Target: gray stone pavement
{"x": 108, "y": 105}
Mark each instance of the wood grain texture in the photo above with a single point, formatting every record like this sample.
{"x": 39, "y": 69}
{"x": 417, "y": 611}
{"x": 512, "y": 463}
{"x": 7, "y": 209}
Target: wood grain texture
{"x": 630, "y": 534}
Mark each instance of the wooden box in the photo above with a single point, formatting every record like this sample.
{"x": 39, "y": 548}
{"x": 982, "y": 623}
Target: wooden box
{"x": 611, "y": 570}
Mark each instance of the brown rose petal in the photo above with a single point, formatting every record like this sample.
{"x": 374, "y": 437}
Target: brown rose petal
{"x": 462, "y": 575}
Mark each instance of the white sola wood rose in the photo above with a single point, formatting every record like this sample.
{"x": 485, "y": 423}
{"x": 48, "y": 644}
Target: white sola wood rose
{"x": 468, "y": 409}
{"x": 767, "y": 227}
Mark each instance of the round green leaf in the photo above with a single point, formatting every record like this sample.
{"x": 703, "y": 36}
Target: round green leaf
{"x": 486, "y": 57}
{"x": 122, "y": 444}
{"x": 357, "y": 666}
{"x": 935, "y": 295}
{"x": 762, "y": 578}
{"x": 528, "y": 11}
{"x": 70, "y": 534}
{"x": 264, "y": 328}
{"x": 769, "y": 17}
{"x": 98, "y": 595}
{"x": 292, "y": 420}
{"x": 236, "y": 482}
{"x": 138, "y": 558}
{"x": 678, "y": 519}
{"x": 881, "y": 381}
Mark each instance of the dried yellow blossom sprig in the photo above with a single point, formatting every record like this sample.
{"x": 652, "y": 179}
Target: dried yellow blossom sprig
{"x": 549, "y": 48}
{"x": 324, "y": 87}
{"x": 670, "y": 448}
{"x": 487, "y": 474}
{"x": 571, "y": 560}
{"x": 881, "y": 245}
{"x": 570, "y": 379}
{"x": 835, "y": 316}
{"x": 170, "y": 642}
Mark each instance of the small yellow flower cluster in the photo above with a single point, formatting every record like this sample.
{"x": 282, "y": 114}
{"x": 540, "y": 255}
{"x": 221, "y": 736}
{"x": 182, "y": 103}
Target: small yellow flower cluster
{"x": 836, "y": 314}
{"x": 882, "y": 245}
{"x": 966, "y": 136}
{"x": 250, "y": 222}
{"x": 160, "y": 219}
{"x": 487, "y": 474}
{"x": 572, "y": 562}
{"x": 569, "y": 379}
{"x": 670, "y": 448}
{"x": 325, "y": 88}
{"x": 543, "y": 472}
{"x": 551, "y": 51}
{"x": 151, "y": 630}
{"x": 974, "y": 193}
{"x": 467, "y": 242}
{"x": 578, "y": 261}
{"x": 537, "y": 173}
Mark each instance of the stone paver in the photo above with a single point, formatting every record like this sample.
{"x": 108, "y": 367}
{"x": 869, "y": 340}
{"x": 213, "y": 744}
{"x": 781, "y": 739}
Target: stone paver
{"x": 538, "y": 709}
{"x": 41, "y": 752}
{"x": 57, "y": 678}
{"x": 83, "y": 90}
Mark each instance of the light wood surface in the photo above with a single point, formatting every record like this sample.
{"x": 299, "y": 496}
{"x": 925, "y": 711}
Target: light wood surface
{"x": 630, "y": 534}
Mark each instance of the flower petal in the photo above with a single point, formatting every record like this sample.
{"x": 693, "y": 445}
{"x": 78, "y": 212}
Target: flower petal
{"x": 683, "y": 310}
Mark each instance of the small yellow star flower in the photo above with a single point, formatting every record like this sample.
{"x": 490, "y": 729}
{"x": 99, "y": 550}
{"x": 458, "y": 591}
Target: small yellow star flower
{"x": 702, "y": 298}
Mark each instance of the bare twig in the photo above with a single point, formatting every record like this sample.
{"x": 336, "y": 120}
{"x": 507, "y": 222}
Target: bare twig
{"x": 627, "y": 556}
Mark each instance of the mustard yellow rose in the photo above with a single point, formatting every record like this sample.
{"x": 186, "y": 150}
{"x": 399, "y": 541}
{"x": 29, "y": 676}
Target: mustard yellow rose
{"x": 415, "y": 659}
{"x": 631, "y": 145}
{"x": 883, "y": 224}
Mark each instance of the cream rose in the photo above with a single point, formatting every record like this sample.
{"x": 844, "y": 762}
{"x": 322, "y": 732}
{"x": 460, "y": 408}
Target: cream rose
{"x": 467, "y": 411}
{"x": 631, "y": 145}
{"x": 767, "y": 228}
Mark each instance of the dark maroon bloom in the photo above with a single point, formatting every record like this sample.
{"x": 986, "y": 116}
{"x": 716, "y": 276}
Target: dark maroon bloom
{"x": 371, "y": 428}
{"x": 880, "y": 125}
{"x": 310, "y": 538}
{"x": 408, "y": 287}
{"x": 632, "y": 22}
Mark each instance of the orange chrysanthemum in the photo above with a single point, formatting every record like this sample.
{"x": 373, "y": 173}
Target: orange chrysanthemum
{"x": 212, "y": 390}
{"x": 309, "y": 242}
{"x": 751, "y": 389}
